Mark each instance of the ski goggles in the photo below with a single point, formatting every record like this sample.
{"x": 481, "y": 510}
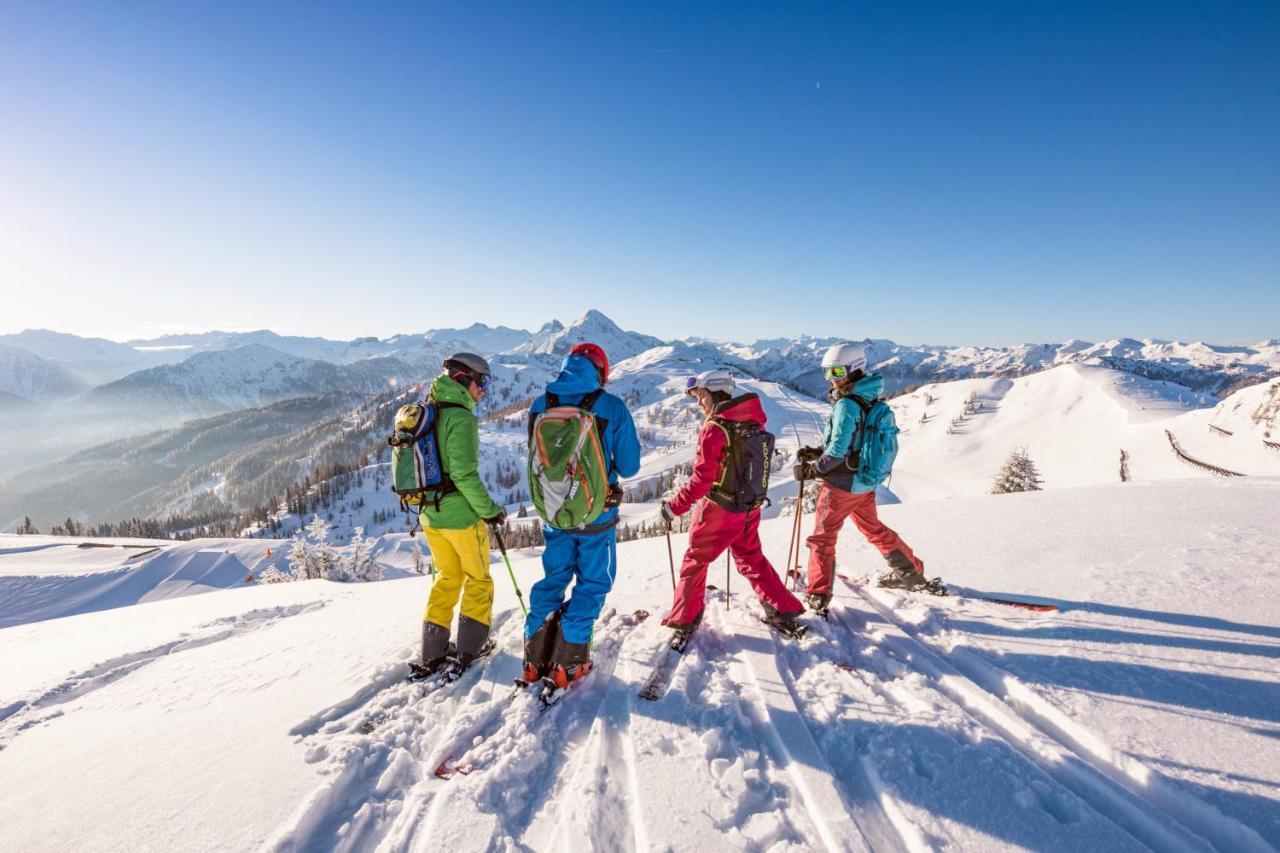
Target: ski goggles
{"x": 835, "y": 371}
{"x": 690, "y": 384}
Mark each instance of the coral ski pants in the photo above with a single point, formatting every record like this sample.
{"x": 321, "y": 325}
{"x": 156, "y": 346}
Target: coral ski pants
{"x": 461, "y": 559}
{"x": 715, "y": 529}
{"x": 834, "y": 506}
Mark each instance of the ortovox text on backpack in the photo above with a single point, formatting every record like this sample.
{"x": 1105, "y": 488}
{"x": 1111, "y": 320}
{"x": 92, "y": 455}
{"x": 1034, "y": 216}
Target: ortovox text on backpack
{"x": 417, "y": 473}
{"x": 743, "y": 484}
{"x": 568, "y": 479}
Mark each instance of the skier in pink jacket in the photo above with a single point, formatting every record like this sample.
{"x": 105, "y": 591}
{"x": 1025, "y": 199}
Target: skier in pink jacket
{"x": 721, "y": 520}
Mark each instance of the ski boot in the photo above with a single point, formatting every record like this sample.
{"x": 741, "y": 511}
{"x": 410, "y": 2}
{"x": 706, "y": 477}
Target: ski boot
{"x": 474, "y": 643}
{"x": 909, "y": 580}
{"x": 537, "y": 650}
{"x": 682, "y": 633}
{"x": 783, "y": 623}
{"x": 570, "y": 663}
{"x": 819, "y": 603}
{"x": 437, "y": 652}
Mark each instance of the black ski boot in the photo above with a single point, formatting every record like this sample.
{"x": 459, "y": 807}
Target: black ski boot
{"x": 436, "y": 652}
{"x": 819, "y": 603}
{"x": 783, "y": 623}
{"x": 682, "y": 632}
{"x": 905, "y": 577}
{"x": 537, "y": 650}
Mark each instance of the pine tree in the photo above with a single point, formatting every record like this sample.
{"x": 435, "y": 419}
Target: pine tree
{"x": 1018, "y": 474}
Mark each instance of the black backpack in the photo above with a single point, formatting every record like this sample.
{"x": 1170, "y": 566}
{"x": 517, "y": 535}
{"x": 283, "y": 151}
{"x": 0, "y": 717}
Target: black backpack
{"x": 744, "y": 476}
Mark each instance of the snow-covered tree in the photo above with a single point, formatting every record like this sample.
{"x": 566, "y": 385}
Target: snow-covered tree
{"x": 361, "y": 564}
{"x": 301, "y": 559}
{"x": 1018, "y": 474}
{"x": 419, "y": 565}
{"x": 273, "y": 575}
{"x": 325, "y": 561}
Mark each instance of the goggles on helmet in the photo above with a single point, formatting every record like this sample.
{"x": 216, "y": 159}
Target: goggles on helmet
{"x": 835, "y": 371}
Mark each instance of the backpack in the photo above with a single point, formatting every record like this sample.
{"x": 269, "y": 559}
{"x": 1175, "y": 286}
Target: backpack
{"x": 743, "y": 484}
{"x": 568, "y": 478}
{"x": 875, "y": 447}
{"x": 417, "y": 473}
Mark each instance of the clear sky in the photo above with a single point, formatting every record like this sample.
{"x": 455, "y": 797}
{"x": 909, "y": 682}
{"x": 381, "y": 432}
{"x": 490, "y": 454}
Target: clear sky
{"x": 928, "y": 172}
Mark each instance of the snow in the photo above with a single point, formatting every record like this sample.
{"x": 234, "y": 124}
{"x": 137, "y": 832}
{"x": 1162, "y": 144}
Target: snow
{"x": 1142, "y": 715}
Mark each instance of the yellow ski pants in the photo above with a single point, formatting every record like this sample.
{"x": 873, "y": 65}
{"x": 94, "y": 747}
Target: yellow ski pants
{"x": 461, "y": 559}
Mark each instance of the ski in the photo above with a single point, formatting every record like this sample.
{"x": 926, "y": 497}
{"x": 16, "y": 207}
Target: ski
{"x": 1025, "y": 605}
{"x": 451, "y": 766}
{"x": 935, "y": 586}
{"x": 655, "y": 686}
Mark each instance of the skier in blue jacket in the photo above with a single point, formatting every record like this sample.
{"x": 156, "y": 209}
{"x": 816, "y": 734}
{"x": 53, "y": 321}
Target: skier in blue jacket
{"x": 558, "y": 635}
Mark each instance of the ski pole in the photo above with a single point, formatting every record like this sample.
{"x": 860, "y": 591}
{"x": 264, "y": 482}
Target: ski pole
{"x": 502, "y": 546}
{"x": 726, "y": 580}
{"x": 671, "y": 560}
{"x": 795, "y": 580}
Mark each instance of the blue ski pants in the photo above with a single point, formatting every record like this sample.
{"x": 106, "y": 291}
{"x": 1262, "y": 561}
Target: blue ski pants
{"x": 589, "y": 560}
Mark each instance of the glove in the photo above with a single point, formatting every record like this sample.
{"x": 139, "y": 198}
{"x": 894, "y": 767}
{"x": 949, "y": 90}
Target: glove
{"x": 497, "y": 520}
{"x": 667, "y": 515}
{"x": 805, "y": 471}
{"x": 614, "y": 498}
{"x": 808, "y": 454}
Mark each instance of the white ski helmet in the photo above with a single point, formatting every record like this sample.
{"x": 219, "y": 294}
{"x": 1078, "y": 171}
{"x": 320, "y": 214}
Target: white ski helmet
{"x": 849, "y": 356}
{"x": 712, "y": 380}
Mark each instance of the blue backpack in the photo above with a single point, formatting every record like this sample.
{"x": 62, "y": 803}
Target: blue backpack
{"x": 876, "y": 443}
{"x": 417, "y": 473}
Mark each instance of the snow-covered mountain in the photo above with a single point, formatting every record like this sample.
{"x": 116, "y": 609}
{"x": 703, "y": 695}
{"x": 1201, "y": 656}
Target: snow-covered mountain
{"x": 555, "y": 339}
{"x": 254, "y": 375}
{"x": 1197, "y": 366}
{"x": 92, "y": 360}
{"x": 25, "y": 374}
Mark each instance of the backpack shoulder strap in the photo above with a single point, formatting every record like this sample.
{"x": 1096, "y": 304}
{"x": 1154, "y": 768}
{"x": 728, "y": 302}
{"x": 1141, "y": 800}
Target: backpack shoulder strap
{"x": 588, "y": 402}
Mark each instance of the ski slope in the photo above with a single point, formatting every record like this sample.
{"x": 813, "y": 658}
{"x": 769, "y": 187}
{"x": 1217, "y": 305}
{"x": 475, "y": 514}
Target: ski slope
{"x": 1074, "y": 421}
{"x": 1143, "y": 715}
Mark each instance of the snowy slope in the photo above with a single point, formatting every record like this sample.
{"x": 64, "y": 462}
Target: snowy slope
{"x": 1144, "y": 715}
{"x": 1074, "y": 421}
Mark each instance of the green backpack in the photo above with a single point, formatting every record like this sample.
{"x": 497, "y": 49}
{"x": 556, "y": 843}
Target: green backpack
{"x": 568, "y": 478}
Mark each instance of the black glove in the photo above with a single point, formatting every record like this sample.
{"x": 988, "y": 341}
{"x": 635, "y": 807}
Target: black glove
{"x": 808, "y": 454}
{"x": 614, "y": 498}
{"x": 667, "y": 515}
{"x": 497, "y": 520}
{"x": 805, "y": 471}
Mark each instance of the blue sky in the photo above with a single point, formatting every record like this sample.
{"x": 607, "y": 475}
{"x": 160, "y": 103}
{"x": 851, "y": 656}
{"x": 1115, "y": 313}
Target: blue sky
{"x": 927, "y": 172}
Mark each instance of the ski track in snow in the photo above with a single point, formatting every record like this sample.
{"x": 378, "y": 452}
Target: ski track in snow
{"x": 18, "y": 716}
{"x": 511, "y": 759}
{"x": 1122, "y": 789}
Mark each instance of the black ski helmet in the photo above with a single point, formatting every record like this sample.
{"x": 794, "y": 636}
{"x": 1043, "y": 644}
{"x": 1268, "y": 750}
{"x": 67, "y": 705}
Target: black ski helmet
{"x": 470, "y": 365}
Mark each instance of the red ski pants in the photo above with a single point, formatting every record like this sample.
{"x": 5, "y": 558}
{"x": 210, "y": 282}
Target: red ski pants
{"x": 715, "y": 529}
{"x": 834, "y": 506}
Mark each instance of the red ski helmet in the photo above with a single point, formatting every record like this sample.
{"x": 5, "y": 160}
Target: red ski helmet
{"x": 595, "y": 355}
